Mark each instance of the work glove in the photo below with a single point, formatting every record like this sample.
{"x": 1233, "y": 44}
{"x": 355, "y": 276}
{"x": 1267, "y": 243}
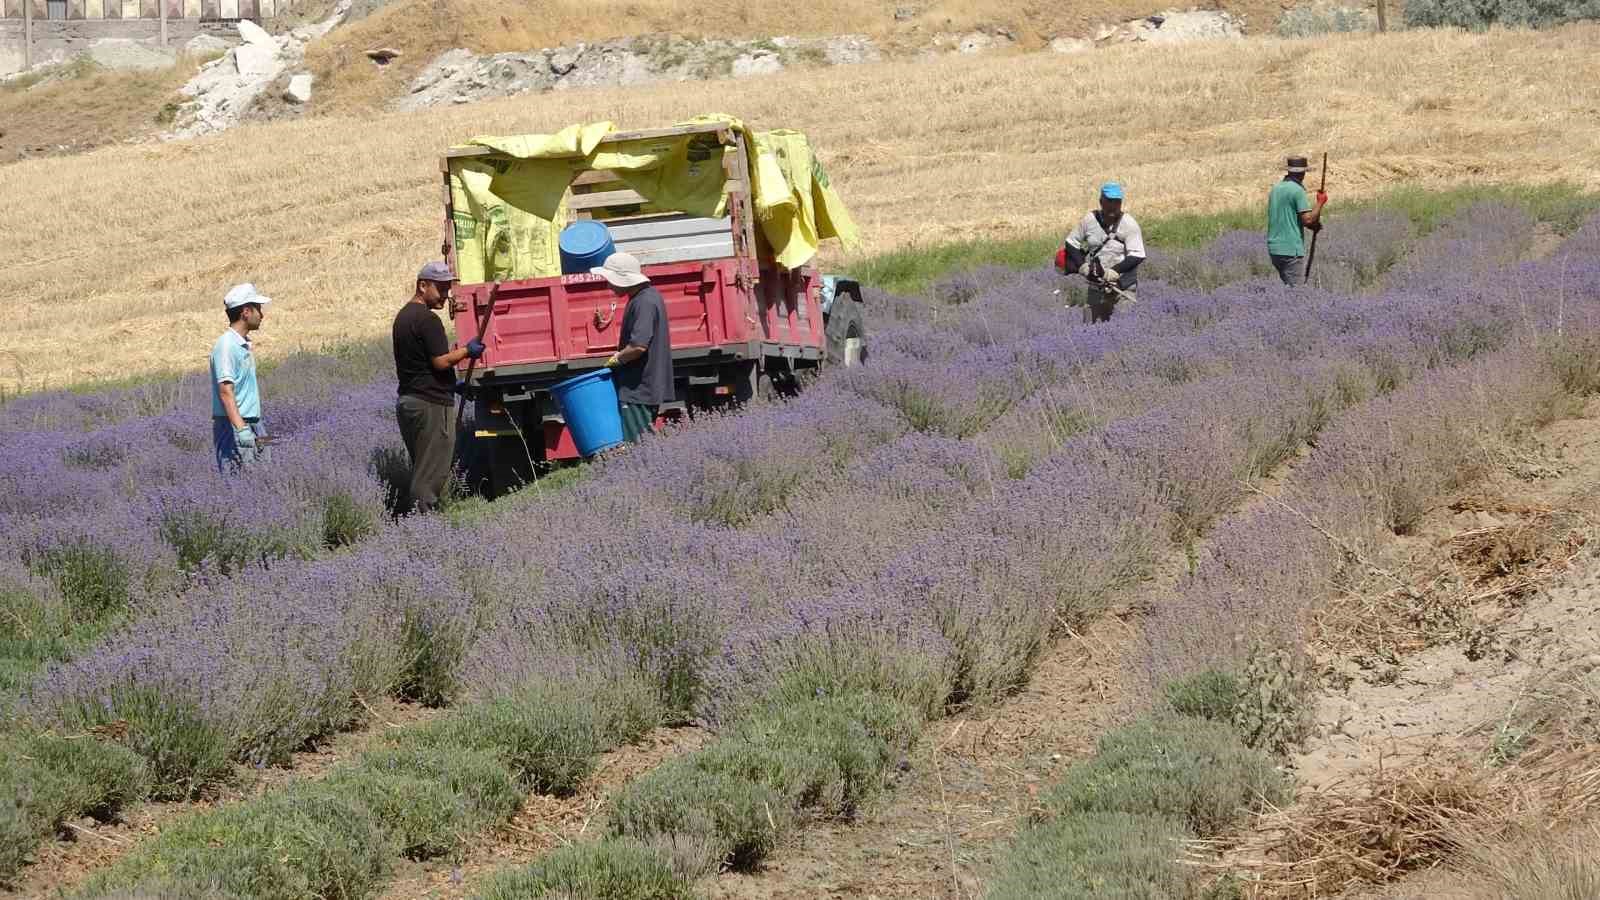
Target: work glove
{"x": 474, "y": 348}
{"x": 1084, "y": 270}
{"x": 1111, "y": 277}
{"x": 459, "y": 388}
{"x": 1322, "y": 198}
{"x": 614, "y": 361}
{"x": 244, "y": 438}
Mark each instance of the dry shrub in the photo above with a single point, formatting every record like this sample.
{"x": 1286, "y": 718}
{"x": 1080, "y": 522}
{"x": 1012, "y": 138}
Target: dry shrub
{"x": 1536, "y": 865}
{"x": 1500, "y": 563}
{"x": 1399, "y": 823}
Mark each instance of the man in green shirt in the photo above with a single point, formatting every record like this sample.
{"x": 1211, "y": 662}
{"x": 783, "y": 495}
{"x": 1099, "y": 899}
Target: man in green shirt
{"x": 1289, "y": 211}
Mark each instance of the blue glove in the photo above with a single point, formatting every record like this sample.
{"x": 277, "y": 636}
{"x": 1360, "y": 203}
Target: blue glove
{"x": 474, "y": 348}
{"x": 245, "y": 437}
{"x": 459, "y": 388}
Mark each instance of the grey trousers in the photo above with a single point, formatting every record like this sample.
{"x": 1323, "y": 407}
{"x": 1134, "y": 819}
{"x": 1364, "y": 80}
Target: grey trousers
{"x": 1100, "y": 305}
{"x": 425, "y": 427}
{"x": 1291, "y": 269}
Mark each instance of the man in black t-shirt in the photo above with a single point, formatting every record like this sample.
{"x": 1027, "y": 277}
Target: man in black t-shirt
{"x": 424, "y": 365}
{"x": 643, "y": 361}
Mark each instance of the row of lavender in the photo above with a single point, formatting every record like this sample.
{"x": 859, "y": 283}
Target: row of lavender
{"x": 854, "y": 530}
{"x": 252, "y": 668}
{"x": 1227, "y": 644}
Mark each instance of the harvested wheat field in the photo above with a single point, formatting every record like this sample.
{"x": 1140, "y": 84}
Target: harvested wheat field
{"x": 331, "y": 216}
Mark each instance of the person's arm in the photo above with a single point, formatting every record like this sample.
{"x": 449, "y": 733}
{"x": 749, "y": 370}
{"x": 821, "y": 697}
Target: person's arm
{"x": 438, "y": 346}
{"x": 1133, "y": 240}
{"x": 636, "y": 343}
{"x": 230, "y": 406}
{"x": 1077, "y": 258}
{"x": 1311, "y": 214}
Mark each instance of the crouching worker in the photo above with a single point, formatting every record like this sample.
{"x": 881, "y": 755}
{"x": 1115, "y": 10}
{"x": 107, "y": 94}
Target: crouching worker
{"x": 642, "y": 365}
{"x": 1105, "y": 248}
{"x": 237, "y": 433}
{"x": 424, "y": 366}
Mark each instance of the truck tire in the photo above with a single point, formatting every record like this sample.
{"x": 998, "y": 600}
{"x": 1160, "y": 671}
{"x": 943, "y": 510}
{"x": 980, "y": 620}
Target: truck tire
{"x": 846, "y": 321}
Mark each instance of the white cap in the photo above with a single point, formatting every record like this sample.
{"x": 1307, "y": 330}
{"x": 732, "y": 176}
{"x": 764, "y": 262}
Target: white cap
{"x": 240, "y": 294}
{"x": 622, "y": 270}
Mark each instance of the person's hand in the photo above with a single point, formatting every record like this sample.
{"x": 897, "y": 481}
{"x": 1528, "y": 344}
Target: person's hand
{"x": 614, "y": 361}
{"x": 1084, "y": 270}
{"x": 245, "y": 437}
{"x": 1315, "y": 226}
{"x": 1322, "y": 198}
{"x": 459, "y": 388}
{"x": 474, "y": 348}
{"x": 1111, "y": 277}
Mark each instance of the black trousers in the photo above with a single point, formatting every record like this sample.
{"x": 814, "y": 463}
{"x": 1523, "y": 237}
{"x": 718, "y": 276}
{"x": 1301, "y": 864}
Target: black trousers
{"x": 425, "y": 427}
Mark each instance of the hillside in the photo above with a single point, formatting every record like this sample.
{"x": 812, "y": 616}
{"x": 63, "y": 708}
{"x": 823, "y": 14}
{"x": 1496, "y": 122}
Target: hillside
{"x": 331, "y": 216}
{"x": 422, "y": 29}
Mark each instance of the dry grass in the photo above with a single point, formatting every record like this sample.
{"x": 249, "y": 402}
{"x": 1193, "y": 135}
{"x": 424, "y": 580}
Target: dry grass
{"x": 129, "y": 250}
{"x": 422, "y": 29}
{"x": 93, "y": 109}
{"x": 1405, "y": 822}
{"x": 1463, "y": 586}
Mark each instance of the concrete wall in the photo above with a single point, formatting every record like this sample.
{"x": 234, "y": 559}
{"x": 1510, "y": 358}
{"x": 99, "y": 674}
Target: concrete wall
{"x": 57, "y": 41}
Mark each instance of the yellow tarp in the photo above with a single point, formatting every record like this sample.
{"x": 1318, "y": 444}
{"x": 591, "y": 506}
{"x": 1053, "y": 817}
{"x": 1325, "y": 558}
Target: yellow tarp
{"x": 509, "y": 214}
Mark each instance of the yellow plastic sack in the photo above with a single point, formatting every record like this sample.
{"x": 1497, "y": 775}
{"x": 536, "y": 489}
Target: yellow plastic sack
{"x": 509, "y": 212}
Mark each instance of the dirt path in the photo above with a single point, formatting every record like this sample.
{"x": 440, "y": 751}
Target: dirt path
{"x": 1518, "y": 560}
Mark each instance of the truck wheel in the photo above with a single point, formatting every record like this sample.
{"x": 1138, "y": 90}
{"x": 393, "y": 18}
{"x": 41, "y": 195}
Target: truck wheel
{"x": 846, "y": 322}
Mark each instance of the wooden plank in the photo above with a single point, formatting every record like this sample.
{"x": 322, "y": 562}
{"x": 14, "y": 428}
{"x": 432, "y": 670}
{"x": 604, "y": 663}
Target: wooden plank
{"x": 595, "y": 176}
{"x": 680, "y": 254}
{"x": 709, "y": 246}
{"x": 604, "y": 198}
{"x": 668, "y": 226}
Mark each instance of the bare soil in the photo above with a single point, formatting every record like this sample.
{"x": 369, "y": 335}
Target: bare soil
{"x": 1515, "y": 558}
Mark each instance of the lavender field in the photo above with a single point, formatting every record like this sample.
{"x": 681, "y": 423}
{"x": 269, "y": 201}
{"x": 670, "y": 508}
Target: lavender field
{"x": 814, "y": 579}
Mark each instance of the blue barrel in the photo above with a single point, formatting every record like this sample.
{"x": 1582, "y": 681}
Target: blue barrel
{"x": 589, "y": 404}
{"x": 584, "y": 245}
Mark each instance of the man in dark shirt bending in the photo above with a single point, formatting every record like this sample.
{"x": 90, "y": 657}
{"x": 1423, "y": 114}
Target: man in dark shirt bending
{"x": 424, "y": 364}
{"x": 643, "y": 361}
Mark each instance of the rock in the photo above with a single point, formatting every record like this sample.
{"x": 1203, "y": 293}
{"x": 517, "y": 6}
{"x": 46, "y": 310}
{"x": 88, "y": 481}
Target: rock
{"x": 255, "y": 60}
{"x": 1194, "y": 25}
{"x": 299, "y": 89}
{"x": 904, "y": 13}
{"x": 382, "y": 55}
{"x": 849, "y": 50}
{"x": 1070, "y": 45}
{"x": 128, "y": 54}
{"x": 252, "y": 33}
{"x": 758, "y": 63}
{"x": 565, "y": 59}
{"x": 205, "y": 45}
{"x": 978, "y": 41}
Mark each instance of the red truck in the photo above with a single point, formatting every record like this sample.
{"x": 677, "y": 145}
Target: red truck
{"x": 741, "y": 324}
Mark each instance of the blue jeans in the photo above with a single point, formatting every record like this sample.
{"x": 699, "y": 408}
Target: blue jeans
{"x": 1291, "y": 269}
{"x": 229, "y": 453}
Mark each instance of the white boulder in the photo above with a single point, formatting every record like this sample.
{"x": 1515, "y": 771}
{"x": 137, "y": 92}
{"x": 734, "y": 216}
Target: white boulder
{"x": 299, "y": 89}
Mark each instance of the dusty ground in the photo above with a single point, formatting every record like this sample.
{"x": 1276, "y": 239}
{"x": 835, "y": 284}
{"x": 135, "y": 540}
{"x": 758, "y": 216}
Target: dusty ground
{"x": 1438, "y": 695}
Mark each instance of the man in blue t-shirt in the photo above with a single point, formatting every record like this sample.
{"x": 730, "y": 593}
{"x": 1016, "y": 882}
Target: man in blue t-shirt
{"x": 237, "y": 432}
{"x": 1289, "y": 210}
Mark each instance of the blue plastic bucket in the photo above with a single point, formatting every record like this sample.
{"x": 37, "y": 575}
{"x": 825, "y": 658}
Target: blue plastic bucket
{"x": 589, "y": 404}
{"x": 584, "y": 244}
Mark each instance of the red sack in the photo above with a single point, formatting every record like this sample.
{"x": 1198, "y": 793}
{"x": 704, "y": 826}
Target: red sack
{"x": 1061, "y": 260}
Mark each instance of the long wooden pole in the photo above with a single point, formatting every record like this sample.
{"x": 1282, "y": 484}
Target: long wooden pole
{"x": 1312, "y": 257}
{"x": 483, "y": 327}
{"x": 1383, "y": 18}
{"x": 163, "y": 4}
{"x": 27, "y": 34}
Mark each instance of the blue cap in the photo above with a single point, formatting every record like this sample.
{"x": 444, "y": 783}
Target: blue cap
{"x": 436, "y": 271}
{"x": 1111, "y": 190}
